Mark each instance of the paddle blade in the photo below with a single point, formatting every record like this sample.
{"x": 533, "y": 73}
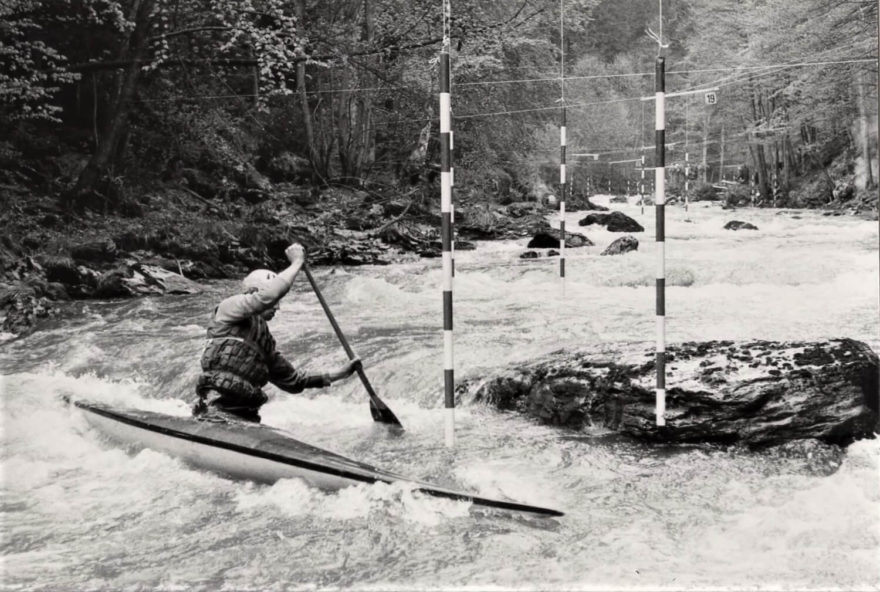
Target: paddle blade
{"x": 383, "y": 414}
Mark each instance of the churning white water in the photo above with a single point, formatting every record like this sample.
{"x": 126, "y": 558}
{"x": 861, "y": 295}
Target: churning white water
{"x": 80, "y": 513}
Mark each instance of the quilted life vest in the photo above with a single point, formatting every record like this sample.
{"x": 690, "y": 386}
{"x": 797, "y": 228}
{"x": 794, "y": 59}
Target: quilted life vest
{"x": 235, "y": 361}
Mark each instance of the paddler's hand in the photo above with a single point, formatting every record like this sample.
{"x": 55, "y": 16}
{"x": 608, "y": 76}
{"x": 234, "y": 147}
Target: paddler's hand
{"x": 345, "y": 371}
{"x": 295, "y": 254}
{"x": 353, "y": 366}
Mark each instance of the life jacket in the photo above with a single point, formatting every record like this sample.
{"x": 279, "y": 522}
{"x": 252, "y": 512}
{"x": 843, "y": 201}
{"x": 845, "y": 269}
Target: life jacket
{"x": 235, "y": 361}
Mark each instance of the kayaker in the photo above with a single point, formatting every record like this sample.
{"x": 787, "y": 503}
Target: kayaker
{"x": 240, "y": 356}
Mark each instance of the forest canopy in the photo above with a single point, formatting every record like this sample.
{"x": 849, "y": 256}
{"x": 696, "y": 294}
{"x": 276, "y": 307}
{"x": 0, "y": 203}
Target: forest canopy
{"x": 347, "y": 91}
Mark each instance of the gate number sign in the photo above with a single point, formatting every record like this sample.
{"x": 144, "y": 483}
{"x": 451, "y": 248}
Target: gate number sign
{"x": 711, "y": 98}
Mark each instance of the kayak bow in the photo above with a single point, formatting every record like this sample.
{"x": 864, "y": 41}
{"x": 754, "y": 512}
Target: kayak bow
{"x": 254, "y": 452}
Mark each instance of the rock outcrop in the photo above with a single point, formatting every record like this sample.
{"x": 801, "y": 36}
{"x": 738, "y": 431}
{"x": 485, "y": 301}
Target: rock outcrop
{"x": 758, "y": 393}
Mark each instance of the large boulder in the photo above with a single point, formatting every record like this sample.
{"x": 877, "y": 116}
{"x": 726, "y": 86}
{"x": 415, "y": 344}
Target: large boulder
{"x": 613, "y": 221}
{"x": 624, "y": 244}
{"x": 757, "y": 393}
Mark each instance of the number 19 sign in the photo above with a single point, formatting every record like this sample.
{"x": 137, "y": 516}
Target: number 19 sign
{"x": 711, "y": 98}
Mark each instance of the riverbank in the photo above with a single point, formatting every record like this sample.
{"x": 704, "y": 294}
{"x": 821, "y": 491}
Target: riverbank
{"x": 170, "y": 237}
{"x": 51, "y": 253}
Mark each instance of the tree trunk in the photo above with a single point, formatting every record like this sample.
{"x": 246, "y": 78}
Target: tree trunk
{"x": 864, "y": 141}
{"x": 756, "y": 149}
{"x": 704, "y": 175}
{"x": 118, "y": 115}
{"x": 308, "y": 124}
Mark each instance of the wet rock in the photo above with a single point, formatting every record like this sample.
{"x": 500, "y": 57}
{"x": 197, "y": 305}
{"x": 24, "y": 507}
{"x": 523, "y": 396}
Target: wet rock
{"x": 619, "y": 199}
{"x": 739, "y": 225}
{"x": 492, "y": 222}
{"x": 830, "y": 392}
{"x": 595, "y": 207}
{"x": 549, "y": 239}
{"x": 614, "y": 222}
{"x": 624, "y": 244}
{"x": 530, "y": 255}
{"x": 21, "y": 309}
{"x": 553, "y": 253}
{"x": 523, "y": 208}
{"x": 137, "y": 279}
{"x": 79, "y": 281}
{"x": 543, "y": 240}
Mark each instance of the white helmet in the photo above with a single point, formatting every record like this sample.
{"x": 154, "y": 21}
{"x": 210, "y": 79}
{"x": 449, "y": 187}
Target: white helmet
{"x": 258, "y": 279}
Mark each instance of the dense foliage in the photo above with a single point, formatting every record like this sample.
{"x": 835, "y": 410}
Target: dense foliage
{"x": 335, "y": 91}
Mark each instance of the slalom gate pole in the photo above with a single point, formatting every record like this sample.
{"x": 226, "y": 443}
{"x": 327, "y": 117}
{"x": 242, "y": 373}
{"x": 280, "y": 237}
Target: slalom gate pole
{"x": 452, "y": 190}
{"x": 562, "y": 198}
{"x": 642, "y": 185}
{"x": 687, "y": 164}
{"x": 687, "y": 183}
{"x": 562, "y": 142}
{"x": 446, "y": 228}
{"x": 878, "y": 109}
{"x": 660, "y": 204}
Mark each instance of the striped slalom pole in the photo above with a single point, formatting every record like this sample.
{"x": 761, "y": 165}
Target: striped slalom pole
{"x": 660, "y": 203}
{"x": 687, "y": 172}
{"x": 452, "y": 190}
{"x": 687, "y": 164}
{"x": 562, "y": 196}
{"x": 446, "y": 228}
{"x": 642, "y": 186}
{"x": 562, "y": 142}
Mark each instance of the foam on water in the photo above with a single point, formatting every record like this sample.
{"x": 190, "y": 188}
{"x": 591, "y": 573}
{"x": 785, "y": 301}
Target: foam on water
{"x": 82, "y": 513}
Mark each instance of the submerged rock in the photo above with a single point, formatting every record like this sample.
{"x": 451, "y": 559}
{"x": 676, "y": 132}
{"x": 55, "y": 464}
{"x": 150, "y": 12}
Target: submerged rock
{"x": 758, "y": 393}
{"x": 739, "y": 225}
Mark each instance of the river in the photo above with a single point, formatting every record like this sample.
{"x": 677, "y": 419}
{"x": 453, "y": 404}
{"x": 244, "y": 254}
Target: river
{"x": 82, "y": 514}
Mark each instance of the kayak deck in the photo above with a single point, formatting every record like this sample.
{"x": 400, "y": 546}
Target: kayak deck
{"x": 251, "y": 451}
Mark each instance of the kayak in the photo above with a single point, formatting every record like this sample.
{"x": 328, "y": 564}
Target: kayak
{"x": 255, "y": 452}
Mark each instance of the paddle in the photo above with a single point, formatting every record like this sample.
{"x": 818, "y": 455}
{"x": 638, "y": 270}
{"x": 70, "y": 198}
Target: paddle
{"x": 378, "y": 409}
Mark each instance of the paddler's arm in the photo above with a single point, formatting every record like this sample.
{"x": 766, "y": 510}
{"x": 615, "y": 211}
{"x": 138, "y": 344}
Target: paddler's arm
{"x": 283, "y": 375}
{"x": 242, "y": 306}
